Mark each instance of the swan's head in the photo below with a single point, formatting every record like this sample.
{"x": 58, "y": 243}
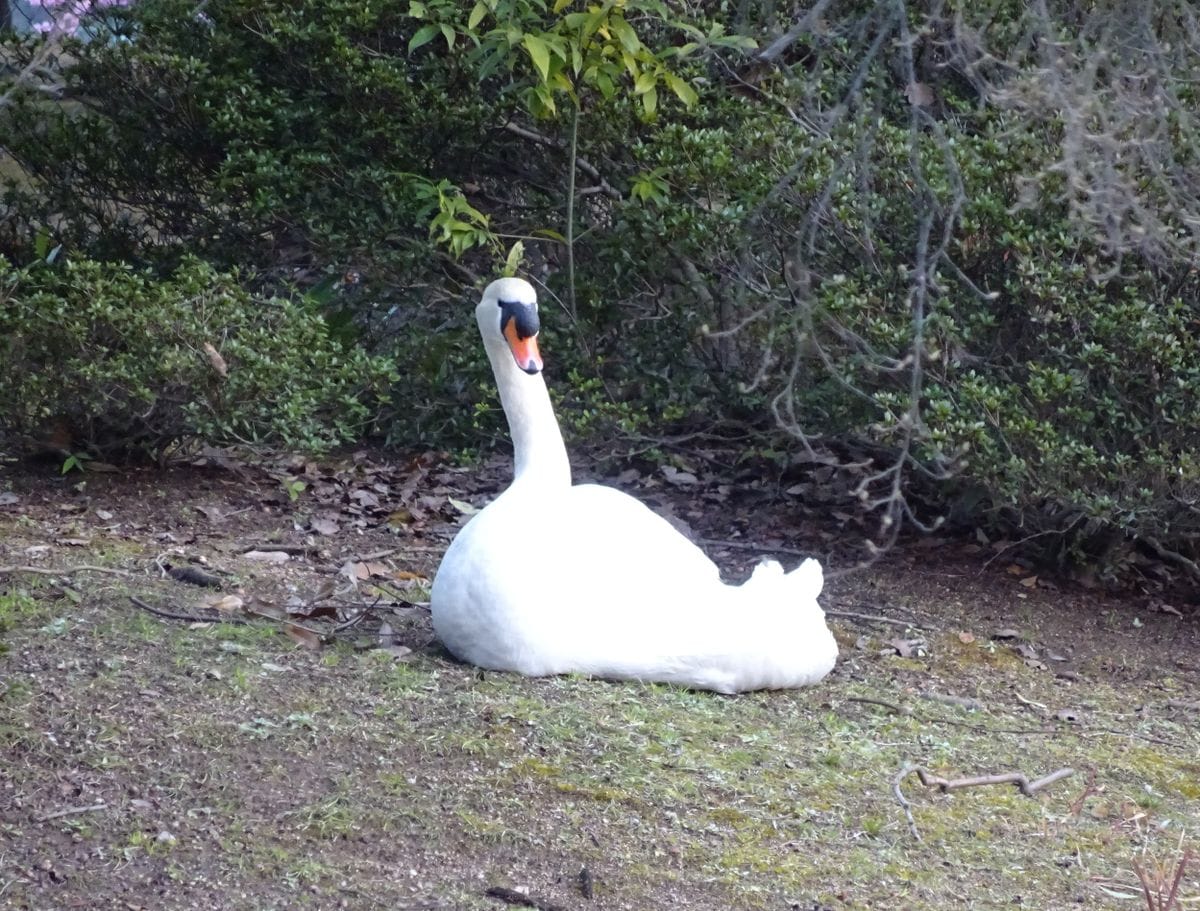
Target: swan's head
{"x": 508, "y": 314}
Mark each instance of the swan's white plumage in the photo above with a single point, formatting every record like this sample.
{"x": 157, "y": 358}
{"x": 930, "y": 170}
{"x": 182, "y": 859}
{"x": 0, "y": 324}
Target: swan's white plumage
{"x": 552, "y": 578}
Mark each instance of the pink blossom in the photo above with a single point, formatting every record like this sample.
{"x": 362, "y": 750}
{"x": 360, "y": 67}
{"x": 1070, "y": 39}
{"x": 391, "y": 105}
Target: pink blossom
{"x": 64, "y": 16}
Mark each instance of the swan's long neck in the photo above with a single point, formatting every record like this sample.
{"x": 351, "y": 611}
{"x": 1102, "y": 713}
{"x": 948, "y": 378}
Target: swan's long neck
{"x": 539, "y": 452}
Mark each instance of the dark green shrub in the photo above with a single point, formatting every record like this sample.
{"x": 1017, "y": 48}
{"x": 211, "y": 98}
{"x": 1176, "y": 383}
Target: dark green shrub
{"x": 1030, "y": 349}
{"x": 128, "y": 364}
{"x": 267, "y": 134}
{"x": 1056, "y": 373}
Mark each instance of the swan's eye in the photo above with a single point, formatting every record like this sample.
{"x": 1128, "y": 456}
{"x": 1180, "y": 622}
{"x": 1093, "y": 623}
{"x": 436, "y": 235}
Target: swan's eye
{"x": 519, "y": 326}
{"x": 523, "y": 316}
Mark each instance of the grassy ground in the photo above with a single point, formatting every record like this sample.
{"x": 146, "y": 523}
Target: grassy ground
{"x": 151, "y": 763}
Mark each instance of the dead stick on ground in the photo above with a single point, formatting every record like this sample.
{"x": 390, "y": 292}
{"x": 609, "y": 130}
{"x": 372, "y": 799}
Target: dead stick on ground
{"x": 873, "y": 618}
{"x": 1026, "y": 787}
{"x": 236, "y": 621}
{"x": 897, "y": 709}
{"x": 191, "y": 618}
{"x": 65, "y": 571}
{"x": 757, "y": 548}
{"x": 294, "y": 550}
{"x": 513, "y": 897}
{"x": 73, "y": 811}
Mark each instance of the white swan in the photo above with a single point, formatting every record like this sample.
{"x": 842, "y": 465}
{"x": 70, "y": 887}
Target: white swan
{"x": 552, "y": 578}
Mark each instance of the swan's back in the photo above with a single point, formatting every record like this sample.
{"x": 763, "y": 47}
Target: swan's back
{"x": 590, "y": 580}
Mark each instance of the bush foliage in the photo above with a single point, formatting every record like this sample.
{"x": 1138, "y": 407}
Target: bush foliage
{"x": 899, "y": 224}
{"x": 114, "y": 362}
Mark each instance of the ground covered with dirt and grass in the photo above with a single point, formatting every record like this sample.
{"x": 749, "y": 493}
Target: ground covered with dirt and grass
{"x": 272, "y": 724}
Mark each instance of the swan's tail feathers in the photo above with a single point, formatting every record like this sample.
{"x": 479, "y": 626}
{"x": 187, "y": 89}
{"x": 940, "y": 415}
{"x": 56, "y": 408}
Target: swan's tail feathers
{"x": 785, "y": 639}
{"x": 801, "y": 585}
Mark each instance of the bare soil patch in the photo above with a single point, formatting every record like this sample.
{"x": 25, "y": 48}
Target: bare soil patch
{"x": 231, "y": 764}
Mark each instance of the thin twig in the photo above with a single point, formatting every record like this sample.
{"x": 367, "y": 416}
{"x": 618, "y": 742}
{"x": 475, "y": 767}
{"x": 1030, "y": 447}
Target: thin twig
{"x": 73, "y": 811}
{"x": 904, "y": 803}
{"x": 380, "y": 554}
{"x": 758, "y": 548}
{"x": 292, "y": 550}
{"x": 190, "y": 618}
{"x": 513, "y": 897}
{"x": 1024, "y": 785}
{"x": 891, "y": 706}
{"x": 873, "y": 618}
{"x": 581, "y": 163}
{"x": 66, "y": 571}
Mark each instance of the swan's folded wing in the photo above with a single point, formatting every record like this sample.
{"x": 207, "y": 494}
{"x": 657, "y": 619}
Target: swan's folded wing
{"x": 636, "y": 540}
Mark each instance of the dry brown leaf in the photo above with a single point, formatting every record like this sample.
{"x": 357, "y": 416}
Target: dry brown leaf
{"x": 906, "y": 648}
{"x": 1030, "y": 582}
{"x": 400, "y": 517}
{"x": 387, "y": 636}
{"x": 1014, "y": 569}
{"x": 465, "y": 508}
{"x": 966, "y": 638}
{"x": 214, "y": 358}
{"x": 365, "y": 498}
{"x": 677, "y": 477}
{"x": 919, "y": 94}
{"x": 305, "y": 638}
{"x": 266, "y": 556}
{"x": 367, "y": 570}
{"x": 324, "y": 590}
{"x": 403, "y": 575}
{"x": 212, "y": 513}
{"x": 323, "y": 525}
{"x": 226, "y": 605}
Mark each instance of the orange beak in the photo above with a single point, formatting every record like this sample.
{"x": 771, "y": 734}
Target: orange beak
{"x": 525, "y": 350}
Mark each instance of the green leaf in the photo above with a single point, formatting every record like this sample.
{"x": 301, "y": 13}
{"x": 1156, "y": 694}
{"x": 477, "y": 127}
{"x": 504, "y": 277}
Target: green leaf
{"x": 683, "y": 91}
{"x": 561, "y": 82}
{"x": 650, "y": 102}
{"x": 417, "y": 10}
{"x": 550, "y": 233}
{"x": 423, "y": 36}
{"x": 539, "y": 53}
{"x": 561, "y": 5}
{"x": 626, "y": 35}
{"x": 605, "y": 85}
{"x": 515, "y": 255}
{"x": 684, "y": 49}
{"x": 631, "y": 65}
{"x": 449, "y": 34}
{"x": 644, "y": 83}
{"x": 477, "y": 14}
